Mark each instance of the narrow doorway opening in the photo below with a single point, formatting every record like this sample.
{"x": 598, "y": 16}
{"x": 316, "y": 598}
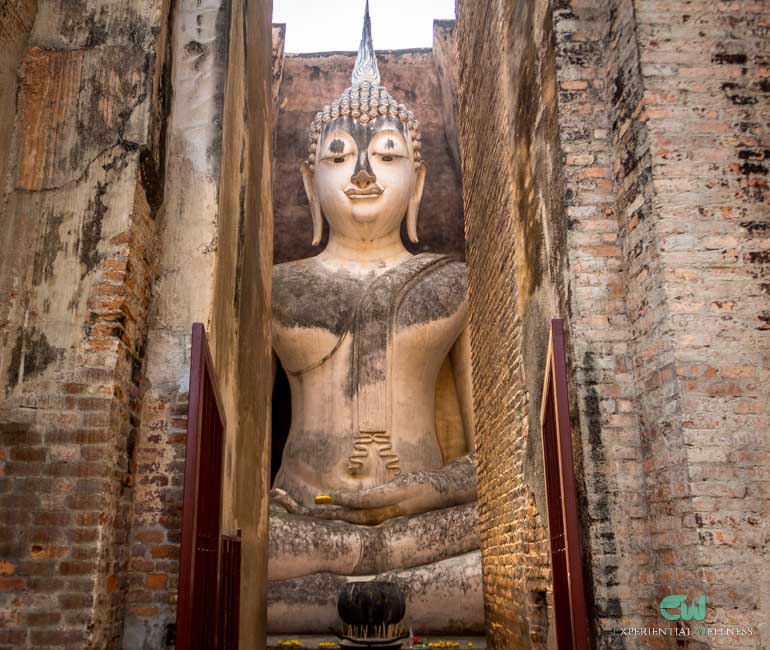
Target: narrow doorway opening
{"x": 281, "y": 422}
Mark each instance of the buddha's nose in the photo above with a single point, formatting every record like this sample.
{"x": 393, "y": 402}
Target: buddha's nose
{"x": 362, "y": 178}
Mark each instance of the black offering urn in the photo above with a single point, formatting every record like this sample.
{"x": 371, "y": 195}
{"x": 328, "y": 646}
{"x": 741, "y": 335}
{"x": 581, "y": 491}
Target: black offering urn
{"x": 371, "y": 607}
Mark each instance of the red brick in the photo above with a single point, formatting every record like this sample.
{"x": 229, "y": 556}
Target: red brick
{"x": 165, "y": 551}
{"x": 157, "y": 581}
{"x": 12, "y": 584}
{"x": 72, "y": 568}
{"x": 75, "y": 601}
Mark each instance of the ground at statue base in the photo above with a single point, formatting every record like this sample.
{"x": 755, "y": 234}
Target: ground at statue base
{"x": 312, "y": 642}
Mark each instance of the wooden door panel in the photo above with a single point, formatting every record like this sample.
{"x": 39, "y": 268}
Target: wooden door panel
{"x": 561, "y": 496}
{"x": 198, "y": 599}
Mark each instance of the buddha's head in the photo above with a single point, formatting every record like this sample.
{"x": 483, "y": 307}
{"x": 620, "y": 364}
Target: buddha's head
{"x": 364, "y": 170}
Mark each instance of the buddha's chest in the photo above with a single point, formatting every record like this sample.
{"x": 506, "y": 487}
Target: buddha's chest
{"x": 412, "y": 312}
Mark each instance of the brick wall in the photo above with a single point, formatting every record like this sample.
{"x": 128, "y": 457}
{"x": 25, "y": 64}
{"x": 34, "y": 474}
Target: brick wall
{"x": 703, "y": 70}
{"x": 660, "y": 187}
{"x": 77, "y": 266}
{"x": 599, "y": 132}
{"x": 515, "y": 557}
{"x": 114, "y": 216}
{"x": 215, "y": 256}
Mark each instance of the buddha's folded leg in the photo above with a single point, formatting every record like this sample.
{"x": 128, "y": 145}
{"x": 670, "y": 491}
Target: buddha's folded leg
{"x": 301, "y": 545}
{"x": 444, "y": 597}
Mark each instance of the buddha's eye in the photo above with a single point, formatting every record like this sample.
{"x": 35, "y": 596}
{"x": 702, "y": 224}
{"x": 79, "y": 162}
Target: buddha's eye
{"x": 387, "y": 158}
{"x": 339, "y": 159}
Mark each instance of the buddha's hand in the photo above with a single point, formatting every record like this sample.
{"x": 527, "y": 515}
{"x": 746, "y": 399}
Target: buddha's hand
{"x": 409, "y": 494}
{"x": 280, "y": 501}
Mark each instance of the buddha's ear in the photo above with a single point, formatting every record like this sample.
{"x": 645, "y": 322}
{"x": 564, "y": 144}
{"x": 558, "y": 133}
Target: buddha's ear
{"x": 414, "y": 204}
{"x": 315, "y": 206}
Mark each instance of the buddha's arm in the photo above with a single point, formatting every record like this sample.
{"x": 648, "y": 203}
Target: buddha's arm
{"x": 460, "y": 356}
{"x": 409, "y": 494}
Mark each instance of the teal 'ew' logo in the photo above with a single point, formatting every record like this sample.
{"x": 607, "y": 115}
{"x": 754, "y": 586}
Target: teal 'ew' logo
{"x": 695, "y": 611}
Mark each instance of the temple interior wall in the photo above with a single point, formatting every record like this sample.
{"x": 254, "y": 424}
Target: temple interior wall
{"x": 216, "y": 245}
{"x": 115, "y": 200}
{"x": 507, "y": 143}
{"x": 701, "y": 354}
{"x": 659, "y": 187}
{"x": 79, "y": 208}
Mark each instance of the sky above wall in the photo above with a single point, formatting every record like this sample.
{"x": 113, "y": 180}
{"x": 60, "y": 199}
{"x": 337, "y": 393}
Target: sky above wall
{"x": 331, "y": 25}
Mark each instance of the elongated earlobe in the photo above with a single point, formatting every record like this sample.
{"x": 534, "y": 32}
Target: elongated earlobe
{"x": 414, "y": 205}
{"x": 315, "y": 206}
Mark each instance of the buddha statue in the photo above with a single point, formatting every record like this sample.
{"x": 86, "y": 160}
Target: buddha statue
{"x": 368, "y": 486}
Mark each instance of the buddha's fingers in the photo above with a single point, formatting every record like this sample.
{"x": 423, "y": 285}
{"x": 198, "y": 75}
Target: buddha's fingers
{"x": 364, "y": 517}
{"x": 283, "y": 499}
{"x": 417, "y": 492}
{"x": 381, "y": 496}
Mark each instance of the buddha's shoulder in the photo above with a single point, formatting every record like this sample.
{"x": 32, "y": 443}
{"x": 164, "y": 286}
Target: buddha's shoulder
{"x": 306, "y": 293}
{"x": 439, "y": 291}
{"x": 287, "y": 271}
{"x": 309, "y": 274}
{"x": 441, "y": 272}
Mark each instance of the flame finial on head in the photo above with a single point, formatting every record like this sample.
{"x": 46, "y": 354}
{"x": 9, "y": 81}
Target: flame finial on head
{"x": 366, "y": 62}
{"x": 365, "y": 101}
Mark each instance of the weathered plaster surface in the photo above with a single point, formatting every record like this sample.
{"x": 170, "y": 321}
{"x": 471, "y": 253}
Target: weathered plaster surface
{"x": 16, "y": 20}
{"x": 79, "y": 221}
{"x": 214, "y": 268}
{"x": 111, "y": 212}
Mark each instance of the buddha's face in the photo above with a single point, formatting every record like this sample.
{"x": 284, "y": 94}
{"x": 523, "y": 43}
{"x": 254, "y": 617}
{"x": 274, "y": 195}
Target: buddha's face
{"x": 365, "y": 177}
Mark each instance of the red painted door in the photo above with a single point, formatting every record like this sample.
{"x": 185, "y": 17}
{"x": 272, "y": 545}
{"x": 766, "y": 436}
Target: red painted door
{"x": 199, "y": 567}
{"x": 230, "y": 592}
{"x": 563, "y": 527}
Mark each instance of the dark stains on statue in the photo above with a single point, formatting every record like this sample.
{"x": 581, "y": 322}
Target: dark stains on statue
{"x": 91, "y": 231}
{"x": 438, "y": 298}
{"x": 424, "y": 289}
{"x": 337, "y": 146}
{"x": 316, "y": 445}
{"x": 308, "y": 295}
{"x": 363, "y": 133}
{"x": 198, "y": 52}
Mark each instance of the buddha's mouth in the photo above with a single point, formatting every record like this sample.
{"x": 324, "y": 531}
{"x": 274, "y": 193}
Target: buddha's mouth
{"x": 366, "y": 193}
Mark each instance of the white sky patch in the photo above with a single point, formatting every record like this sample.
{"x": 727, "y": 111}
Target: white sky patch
{"x": 335, "y": 25}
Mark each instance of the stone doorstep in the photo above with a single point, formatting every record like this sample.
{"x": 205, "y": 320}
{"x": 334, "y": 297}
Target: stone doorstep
{"x": 311, "y": 642}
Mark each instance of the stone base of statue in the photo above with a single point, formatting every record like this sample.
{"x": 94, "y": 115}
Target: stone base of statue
{"x": 441, "y": 598}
